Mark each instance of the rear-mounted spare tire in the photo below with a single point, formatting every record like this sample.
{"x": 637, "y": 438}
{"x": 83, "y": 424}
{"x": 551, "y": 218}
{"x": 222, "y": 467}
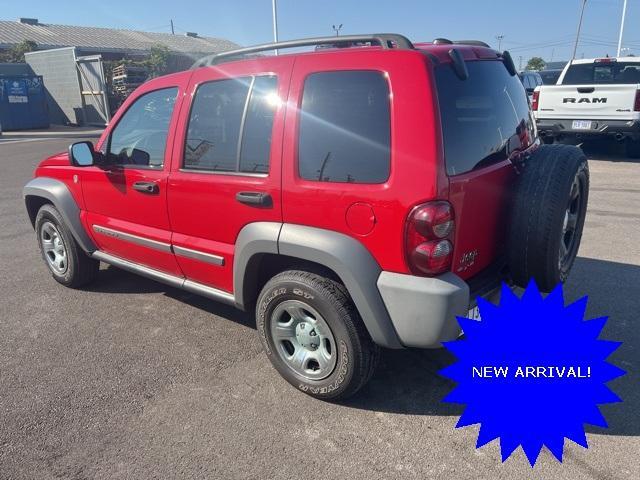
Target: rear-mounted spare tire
{"x": 548, "y": 216}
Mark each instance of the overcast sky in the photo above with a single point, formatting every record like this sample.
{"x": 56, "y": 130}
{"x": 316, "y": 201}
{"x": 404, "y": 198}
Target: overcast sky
{"x": 534, "y": 27}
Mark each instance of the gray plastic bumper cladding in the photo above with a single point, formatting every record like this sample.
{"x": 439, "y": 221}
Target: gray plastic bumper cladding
{"x": 56, "y": 192}
{"x": 397, "y": 310}
{"x": 423, "y": 310}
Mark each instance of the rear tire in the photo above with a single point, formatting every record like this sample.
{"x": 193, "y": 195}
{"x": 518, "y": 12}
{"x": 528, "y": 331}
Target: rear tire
{"x": 548, "y": 216}
{"x": 633, "y": 148}
{"x": 67, "y": 262}
{"x": 314, "y": 336}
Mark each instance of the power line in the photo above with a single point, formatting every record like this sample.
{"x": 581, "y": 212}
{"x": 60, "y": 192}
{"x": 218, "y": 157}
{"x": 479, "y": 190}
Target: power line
{"x": 575, "y": 47}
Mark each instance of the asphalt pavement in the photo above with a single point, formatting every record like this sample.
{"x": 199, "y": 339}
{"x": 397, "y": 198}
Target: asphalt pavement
{"x": 132, "y": 379}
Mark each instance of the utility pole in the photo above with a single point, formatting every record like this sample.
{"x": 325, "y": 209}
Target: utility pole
{"x": 575, "y": 47}
{"x": 275, "y": 23}
{"x": 624, "y": 12}
{"x": 337, "y": 29}
{"x": 520, "y": 63}
{"x": 499, "y": 38}
{"x": 172, "y": 30}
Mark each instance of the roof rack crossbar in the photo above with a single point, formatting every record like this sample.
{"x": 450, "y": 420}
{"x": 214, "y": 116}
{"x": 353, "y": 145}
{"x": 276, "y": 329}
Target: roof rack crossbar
{"x": 446, "y": 41}
{"x": 385, "y": 40}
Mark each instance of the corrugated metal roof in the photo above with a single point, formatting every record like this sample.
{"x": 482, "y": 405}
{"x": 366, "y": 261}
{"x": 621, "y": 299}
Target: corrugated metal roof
{"x": 106, "y": 39}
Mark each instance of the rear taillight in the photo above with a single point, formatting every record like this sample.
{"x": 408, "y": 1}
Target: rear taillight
{"x": 636, "y": 104}
{"x": 534, "y": 100}
{"x": 428, "y": 236}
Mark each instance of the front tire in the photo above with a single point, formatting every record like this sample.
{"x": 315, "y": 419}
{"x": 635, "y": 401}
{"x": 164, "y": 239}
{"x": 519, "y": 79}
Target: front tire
{"x": 67, "y": 262}
{"x": 314, "y": 336}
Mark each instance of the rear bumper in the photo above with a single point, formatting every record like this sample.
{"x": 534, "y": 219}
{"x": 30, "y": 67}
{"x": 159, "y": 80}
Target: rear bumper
{"x": 559, "y": 128}
{"x": 423, "y": 310}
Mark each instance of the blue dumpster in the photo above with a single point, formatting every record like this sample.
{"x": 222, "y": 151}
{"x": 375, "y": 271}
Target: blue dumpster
{"x": 23, "y": 102}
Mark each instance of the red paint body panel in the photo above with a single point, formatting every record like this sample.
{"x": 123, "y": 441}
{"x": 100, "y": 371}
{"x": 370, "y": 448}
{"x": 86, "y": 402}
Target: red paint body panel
{"x": 481, "y": 201}
{"x": 414, "y": 155}
{"x": 58, "y": 166}
{"x": 110, "y": 200}
{"x": 203, "y": 209}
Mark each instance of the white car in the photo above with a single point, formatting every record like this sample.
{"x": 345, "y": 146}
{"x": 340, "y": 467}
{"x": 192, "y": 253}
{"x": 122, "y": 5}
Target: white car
{"x": 593, "y": 97}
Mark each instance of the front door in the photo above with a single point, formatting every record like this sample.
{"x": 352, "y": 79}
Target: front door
{"x": 126, "y": 199}
{"x": 226, "y": 170}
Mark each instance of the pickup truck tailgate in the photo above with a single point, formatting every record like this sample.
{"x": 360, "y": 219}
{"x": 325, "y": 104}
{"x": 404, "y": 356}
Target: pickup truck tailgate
{"x": 594, "y": 102}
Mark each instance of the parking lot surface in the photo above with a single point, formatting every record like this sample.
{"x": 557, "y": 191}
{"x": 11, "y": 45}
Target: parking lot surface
{"x": 133, "y": 379}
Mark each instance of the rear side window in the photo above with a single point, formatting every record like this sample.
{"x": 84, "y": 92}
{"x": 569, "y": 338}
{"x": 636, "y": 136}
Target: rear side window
{"x": 258, "y": 125}
{"x": 484, "y": 118}
{"x": 602, "y": 72}
{"x": 230, "y": 125}
{"x": 345, "y": 131}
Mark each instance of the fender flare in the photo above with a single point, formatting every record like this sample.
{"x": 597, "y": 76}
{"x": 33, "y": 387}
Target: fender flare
{"x": 344, "y": 255}
{"x": 56, "y": 192}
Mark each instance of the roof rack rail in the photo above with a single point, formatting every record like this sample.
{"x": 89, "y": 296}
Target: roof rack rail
{"x": 385, "y": 40}
{"x": 446, "y": 41}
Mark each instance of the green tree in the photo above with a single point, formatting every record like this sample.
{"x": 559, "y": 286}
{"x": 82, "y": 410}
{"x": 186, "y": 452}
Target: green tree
{"x": 158, "y": 60}
{"x": 16, "y": 53}
{"x": 535, "y": 63}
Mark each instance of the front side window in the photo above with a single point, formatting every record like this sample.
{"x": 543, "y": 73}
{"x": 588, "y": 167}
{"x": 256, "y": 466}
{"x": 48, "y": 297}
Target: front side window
{"x": 231, "y": 124}
{"x": 485, "y": 118}
{"x": 345, "y": 129}
{"x": 140, "y": 137}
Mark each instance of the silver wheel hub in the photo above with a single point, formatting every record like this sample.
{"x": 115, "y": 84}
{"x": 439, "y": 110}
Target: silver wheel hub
{"x": 53, "y": 247}
{"x": 303, "y": 340}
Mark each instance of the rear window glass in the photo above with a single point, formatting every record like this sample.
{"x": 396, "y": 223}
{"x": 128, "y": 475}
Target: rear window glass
{"x": 484, "y": 118}
{"x": 607, "y": 73}
{"x": 345, "y": 131}
{"x": 550, "y": 77}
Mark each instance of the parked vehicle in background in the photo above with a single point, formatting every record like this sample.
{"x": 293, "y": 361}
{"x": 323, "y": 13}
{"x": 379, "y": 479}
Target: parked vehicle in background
{"x": 593, "y": 98}
{"x": 530, "y": 80}
{"x": 298, "y": 187}
{"x": 551, "y": 76}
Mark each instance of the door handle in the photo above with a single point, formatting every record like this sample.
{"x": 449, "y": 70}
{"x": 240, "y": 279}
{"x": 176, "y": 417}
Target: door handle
{"x": 146, "y": 187}
{"x": 259, "y": 199}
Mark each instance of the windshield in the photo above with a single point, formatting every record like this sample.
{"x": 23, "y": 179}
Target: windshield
{"x": 599, "y": 73}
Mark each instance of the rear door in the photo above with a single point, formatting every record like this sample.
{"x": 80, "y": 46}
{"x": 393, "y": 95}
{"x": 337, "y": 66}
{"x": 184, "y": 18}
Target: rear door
{"x": 485, "y": 122}
{"x": 228, "y": 152}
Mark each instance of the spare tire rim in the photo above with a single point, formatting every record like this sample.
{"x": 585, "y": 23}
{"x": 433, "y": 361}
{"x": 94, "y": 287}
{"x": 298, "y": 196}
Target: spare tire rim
{"x": 303, "y": 340}
{"x": 569, "y": 238}
{"x": 53, "y": 248}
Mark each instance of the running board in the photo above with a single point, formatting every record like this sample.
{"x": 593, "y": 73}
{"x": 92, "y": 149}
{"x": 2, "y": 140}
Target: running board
{"x": 172, "y": 280}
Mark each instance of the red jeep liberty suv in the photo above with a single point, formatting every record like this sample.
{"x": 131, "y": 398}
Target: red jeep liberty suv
{"x": 356, "y": 196}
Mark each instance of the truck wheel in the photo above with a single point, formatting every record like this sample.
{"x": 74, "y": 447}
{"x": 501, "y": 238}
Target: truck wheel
{"x": 548, "y": 216}
{"x": 314, "y": 336}
{"x": 67, "y": 262}
{"x": 633, "y": 148}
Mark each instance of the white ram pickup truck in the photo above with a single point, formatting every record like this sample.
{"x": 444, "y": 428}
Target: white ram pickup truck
{"x": 593, "y": 97}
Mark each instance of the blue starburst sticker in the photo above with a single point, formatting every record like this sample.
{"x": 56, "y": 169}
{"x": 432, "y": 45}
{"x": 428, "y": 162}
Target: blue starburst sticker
{"x": 532, "y": 372}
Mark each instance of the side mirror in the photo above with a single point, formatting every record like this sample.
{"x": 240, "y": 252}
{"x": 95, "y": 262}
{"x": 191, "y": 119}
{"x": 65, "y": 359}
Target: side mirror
{"x": 82, "y": 154}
